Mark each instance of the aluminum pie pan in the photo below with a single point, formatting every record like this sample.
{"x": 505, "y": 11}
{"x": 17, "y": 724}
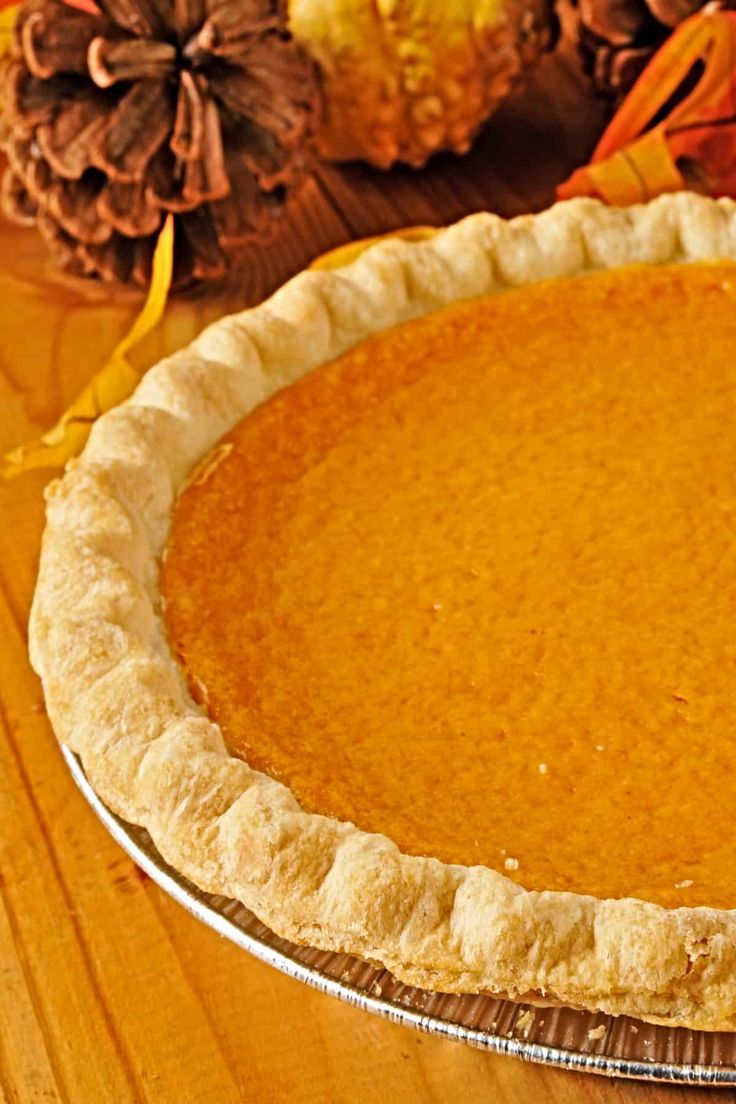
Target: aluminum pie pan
{"x": 590, "y": 1042}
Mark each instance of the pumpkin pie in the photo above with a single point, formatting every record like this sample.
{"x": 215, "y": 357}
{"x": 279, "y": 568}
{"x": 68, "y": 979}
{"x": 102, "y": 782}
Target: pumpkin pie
{"x": 400, "y": 608}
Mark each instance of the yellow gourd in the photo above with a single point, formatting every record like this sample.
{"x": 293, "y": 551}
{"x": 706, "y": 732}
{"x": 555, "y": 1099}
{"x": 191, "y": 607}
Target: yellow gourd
{"x": 405, "y": 78}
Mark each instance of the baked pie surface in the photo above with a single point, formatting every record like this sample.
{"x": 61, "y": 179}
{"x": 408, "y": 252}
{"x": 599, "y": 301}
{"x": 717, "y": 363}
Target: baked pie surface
{"x": 351, "y": 681}
{"x": 463, "y": 586}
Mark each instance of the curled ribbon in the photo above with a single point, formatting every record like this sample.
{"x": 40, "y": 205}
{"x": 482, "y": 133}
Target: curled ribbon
{"x": 677, "y": 127}
{"x": 109, "y": 386}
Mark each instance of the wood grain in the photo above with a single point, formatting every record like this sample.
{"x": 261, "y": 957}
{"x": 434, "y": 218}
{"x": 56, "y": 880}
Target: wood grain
{"x": 110, "y": 991}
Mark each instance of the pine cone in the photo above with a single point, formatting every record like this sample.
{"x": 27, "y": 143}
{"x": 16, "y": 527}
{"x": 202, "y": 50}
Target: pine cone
{"x": 617, "y": 38}
{"x": 119, "y": 111}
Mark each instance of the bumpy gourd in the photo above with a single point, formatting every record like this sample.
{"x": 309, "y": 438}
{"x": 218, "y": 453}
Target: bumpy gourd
{"x": 405, "y": 78}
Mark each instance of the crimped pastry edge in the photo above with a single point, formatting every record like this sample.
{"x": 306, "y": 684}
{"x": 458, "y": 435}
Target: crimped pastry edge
{"x": 116, "y": 696}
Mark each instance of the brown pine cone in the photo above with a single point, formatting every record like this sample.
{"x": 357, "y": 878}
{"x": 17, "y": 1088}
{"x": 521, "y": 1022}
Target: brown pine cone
{"x": 120, "y": 113}
{"x": 617, "y": 38}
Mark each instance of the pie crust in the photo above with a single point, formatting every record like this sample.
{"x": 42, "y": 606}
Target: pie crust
{"x": 117, "y": 697}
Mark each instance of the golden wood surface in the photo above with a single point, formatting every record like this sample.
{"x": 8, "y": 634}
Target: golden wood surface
{"x": 108, "y": 990}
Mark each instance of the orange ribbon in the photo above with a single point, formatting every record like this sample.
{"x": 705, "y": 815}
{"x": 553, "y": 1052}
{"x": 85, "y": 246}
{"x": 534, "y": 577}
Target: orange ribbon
{"x": 650, "y": 147}
{"x": 87, "y": 6}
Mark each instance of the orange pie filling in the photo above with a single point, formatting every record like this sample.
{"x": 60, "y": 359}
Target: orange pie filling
{"x": 473, "y": 585}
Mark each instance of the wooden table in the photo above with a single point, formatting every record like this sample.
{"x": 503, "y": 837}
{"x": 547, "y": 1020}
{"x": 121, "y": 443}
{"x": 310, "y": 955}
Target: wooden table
{"x": 109, "y": 990}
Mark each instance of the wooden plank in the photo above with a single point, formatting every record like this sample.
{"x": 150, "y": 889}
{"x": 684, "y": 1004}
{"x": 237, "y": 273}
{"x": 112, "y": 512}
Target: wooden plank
{"x": 58, "y": 979}
{"x": 25, "y": 1063}
{"x": 102, "y": 903}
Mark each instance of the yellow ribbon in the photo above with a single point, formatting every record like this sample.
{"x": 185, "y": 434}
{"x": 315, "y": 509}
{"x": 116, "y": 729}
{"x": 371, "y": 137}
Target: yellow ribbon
{"x": 113, "y": 383}
{"x": 346, "y": 254}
